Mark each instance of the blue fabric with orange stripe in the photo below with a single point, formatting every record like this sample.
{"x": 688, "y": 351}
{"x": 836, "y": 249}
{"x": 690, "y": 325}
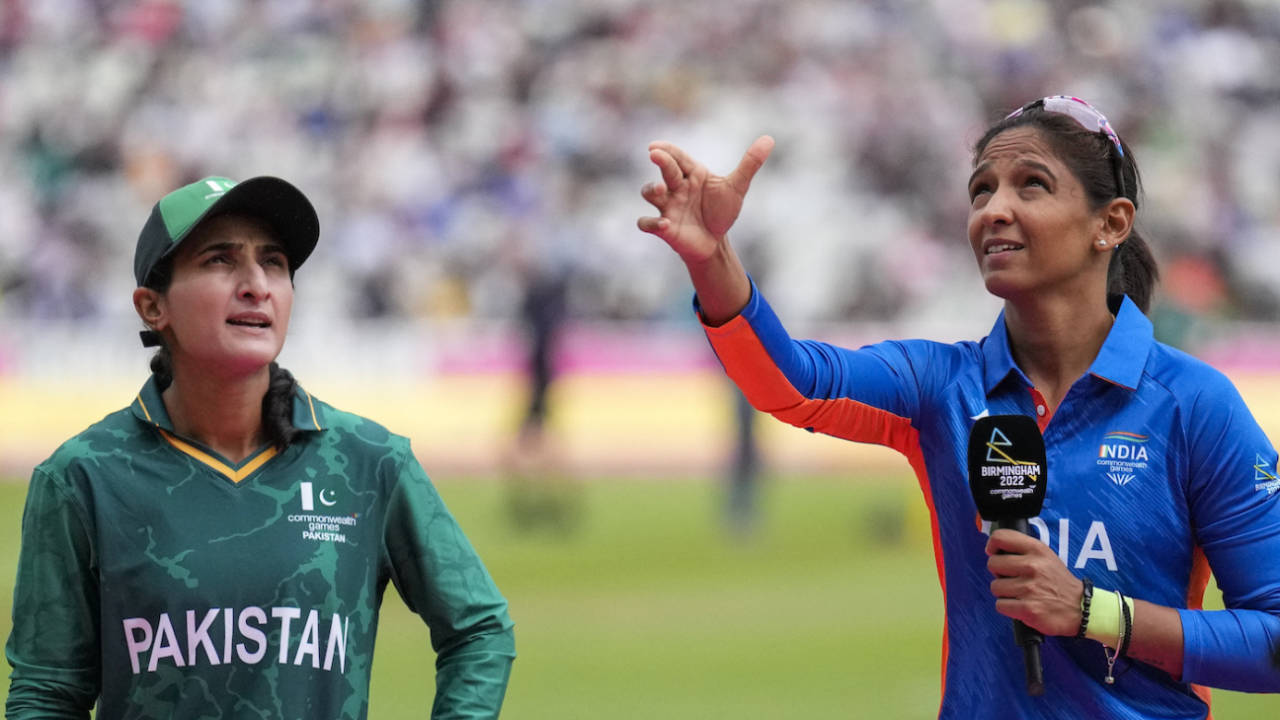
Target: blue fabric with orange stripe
{"x": 1157, "y": 471}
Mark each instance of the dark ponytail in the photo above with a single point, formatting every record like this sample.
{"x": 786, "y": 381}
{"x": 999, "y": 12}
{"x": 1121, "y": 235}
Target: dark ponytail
{"x": 1132, "y": 272}
{"x": 277, "y": 408}
{"x": 277, "y": 404}
{"x": 1089, "y": 155}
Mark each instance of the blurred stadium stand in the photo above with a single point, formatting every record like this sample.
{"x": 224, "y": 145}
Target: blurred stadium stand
{"x": 455, "y": 149}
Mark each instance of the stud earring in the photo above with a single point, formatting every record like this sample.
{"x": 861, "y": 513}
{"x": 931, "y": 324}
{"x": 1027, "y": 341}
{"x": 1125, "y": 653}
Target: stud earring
{"x": 1103, "y": 243}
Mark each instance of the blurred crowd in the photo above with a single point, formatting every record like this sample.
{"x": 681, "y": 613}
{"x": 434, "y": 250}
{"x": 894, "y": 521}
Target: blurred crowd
{"x": 460, "y": 152}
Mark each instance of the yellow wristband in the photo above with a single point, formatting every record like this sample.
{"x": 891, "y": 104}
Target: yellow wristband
{"x": 1106, "y": 619}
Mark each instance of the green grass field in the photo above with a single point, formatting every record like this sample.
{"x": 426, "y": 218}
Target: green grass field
{"x": 648, "y": 608}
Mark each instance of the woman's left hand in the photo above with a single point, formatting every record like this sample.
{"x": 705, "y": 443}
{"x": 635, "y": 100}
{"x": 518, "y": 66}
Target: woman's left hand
{"x": 1032, "y": 584}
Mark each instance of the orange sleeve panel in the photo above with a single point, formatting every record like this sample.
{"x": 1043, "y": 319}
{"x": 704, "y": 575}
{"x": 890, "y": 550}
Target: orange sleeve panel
{"x": 749, "y": 365}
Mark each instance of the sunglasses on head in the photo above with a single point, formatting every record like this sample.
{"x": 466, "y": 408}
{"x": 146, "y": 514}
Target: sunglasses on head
{"x": 1089, "y": 118}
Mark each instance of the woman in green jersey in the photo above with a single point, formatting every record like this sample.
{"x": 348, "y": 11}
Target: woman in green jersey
{"x": 220, "y": 547}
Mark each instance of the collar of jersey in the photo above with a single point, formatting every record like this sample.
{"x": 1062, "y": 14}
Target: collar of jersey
{"x": 148, "y": 407}
{"x": 1120, "y": 361}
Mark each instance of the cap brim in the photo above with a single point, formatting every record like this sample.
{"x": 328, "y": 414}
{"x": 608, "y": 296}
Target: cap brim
{"x": 279, "y": 204}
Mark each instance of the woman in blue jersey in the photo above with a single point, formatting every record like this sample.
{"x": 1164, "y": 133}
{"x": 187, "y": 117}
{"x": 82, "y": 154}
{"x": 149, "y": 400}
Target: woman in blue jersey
{"x": 221, "y": 547}
{"x": 1160, "y": 474}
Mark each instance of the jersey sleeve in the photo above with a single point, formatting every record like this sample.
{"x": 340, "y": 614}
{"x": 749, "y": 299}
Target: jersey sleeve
{"x": 54, "y": 645}
{"x": 442, "y": 579}
{"x": 1235, "y": 505}
{"x": 866, "y": 395}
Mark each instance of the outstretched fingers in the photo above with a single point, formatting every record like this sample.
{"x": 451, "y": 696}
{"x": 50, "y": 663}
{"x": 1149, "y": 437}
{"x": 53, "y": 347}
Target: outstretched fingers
{"x": 655, "y": 225}
{"x": 752, "y": 160}
{"x": 684, "y": 162}
{"x": 666, "y": 157}
{"x": 655, "y": 193}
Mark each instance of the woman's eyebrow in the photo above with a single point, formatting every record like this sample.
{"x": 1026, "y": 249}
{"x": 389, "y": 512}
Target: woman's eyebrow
{"x": 1033, "y": 164}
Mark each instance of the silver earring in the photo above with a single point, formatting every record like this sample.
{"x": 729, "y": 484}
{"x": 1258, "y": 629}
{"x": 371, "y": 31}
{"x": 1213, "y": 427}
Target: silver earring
{"x": 1103, "y": 243}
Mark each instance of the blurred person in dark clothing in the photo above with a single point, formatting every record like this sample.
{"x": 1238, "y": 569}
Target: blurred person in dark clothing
{"x": 540, "y": 492}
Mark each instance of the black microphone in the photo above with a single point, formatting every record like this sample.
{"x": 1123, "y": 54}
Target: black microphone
{"x": 1007, "y": 470}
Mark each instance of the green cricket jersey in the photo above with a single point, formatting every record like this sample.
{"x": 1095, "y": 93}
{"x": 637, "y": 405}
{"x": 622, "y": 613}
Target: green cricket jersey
{"x": 163, "y": 581}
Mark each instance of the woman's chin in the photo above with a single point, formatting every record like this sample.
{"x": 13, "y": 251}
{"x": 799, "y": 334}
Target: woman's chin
{"x": 1001, "y": 287}
{"x": 240, "y": 364}
{"x": 1009, "y": 285}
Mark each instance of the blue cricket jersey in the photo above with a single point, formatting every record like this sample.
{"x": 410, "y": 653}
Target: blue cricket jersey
{"x": 1158, "y": 474}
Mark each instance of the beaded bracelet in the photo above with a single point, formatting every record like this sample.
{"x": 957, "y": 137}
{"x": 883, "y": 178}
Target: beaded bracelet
{"x": 1086, "y": 600}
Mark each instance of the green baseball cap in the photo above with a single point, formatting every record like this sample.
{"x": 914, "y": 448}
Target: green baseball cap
{"x": 282, "y": 206}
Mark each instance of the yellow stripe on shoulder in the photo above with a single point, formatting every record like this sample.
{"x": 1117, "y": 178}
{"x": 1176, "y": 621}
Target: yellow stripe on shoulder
{"x": 222, "y": 468}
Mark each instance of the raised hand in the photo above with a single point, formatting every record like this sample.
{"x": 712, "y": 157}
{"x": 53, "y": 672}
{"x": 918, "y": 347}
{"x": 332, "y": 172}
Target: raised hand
{"x": 697, "y": 207}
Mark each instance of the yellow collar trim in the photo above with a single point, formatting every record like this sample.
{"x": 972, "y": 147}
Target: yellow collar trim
{"x": 231, "y": 473}
{"x": 313, "y": 410}
{"x": 144, "y": 408}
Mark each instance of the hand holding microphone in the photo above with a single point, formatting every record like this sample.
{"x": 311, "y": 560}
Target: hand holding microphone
{"x": 1007, "y": 470}
{"x": 1032, "y": 584}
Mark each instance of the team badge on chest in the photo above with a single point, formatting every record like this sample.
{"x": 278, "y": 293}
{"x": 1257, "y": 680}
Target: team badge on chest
{"x": 1123, "y": 455}
{"x": 322, "y": 519}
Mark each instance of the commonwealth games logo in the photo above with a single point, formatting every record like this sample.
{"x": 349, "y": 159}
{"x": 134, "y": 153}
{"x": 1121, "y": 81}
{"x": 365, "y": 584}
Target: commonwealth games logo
{"x": 322, "y": 525}
{"x": 1264, "y": 477}
{"x": 1122, "y": 454}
